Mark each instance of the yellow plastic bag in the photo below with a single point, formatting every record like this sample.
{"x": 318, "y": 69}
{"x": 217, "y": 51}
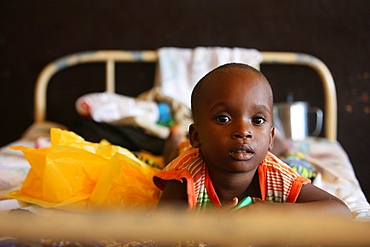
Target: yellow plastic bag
{"x": 125, "y": 183}
{"x": 74, "y": 172}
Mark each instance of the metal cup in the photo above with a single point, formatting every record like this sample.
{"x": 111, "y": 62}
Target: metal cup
{"x": 291, "y": 118}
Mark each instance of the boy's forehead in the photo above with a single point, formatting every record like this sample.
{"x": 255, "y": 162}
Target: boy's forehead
{"x": 227, "y": 77}
{"x": 226, "y": 81}
{"x": 235, "y": 79}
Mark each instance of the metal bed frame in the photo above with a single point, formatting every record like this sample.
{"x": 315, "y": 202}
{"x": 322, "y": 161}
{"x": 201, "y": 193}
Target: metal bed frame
{"x": 111, "y": 57}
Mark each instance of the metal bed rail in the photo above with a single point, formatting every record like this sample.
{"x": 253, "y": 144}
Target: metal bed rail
{"x": 111, "y": 57}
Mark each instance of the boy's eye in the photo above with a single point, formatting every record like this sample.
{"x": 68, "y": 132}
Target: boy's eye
{"x": 259, "y": 120}
{"x": 223, "y": 119}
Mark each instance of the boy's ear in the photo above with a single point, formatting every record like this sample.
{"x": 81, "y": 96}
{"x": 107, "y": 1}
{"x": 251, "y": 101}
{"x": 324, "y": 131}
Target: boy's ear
{"x": 272, "y": 136}
{"x": 194, "y": 136}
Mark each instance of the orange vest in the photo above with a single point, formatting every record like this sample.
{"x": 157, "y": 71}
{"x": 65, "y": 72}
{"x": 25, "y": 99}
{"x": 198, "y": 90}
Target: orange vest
{"x": 278, "y": 182}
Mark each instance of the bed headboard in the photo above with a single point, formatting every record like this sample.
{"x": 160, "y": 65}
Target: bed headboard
{"x": 111, "y": 57}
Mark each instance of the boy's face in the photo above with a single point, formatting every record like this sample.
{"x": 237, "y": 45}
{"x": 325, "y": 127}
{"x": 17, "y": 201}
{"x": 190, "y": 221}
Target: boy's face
{"x": 234, "y": 130}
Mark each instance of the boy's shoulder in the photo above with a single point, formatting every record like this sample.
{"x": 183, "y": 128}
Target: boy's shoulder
{"x": 189, "y": 157}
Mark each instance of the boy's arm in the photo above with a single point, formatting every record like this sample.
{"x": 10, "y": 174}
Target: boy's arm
{"x": 311, "y": 201}
{"x": 174, "y": 196}
{"x": 321, "y": 201}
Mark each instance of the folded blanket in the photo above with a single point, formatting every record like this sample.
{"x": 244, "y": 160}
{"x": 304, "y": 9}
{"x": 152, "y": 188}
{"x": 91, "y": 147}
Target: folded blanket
{"x": 181, "y": 68}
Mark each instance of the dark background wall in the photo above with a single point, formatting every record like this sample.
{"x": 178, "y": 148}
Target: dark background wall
{"x": 33, "y": 33}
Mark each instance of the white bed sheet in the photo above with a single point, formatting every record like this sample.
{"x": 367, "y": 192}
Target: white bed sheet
{"x": 335, "y": 173}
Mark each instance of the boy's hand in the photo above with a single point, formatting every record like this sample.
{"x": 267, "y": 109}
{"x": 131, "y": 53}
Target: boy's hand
{"x": 258, "y": 205}
{"x": 226, "y": 207}
{"x": 232, "y": 203}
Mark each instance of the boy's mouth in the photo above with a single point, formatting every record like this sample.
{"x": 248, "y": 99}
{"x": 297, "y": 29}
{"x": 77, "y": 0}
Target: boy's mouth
{"x": 242, "y": 153}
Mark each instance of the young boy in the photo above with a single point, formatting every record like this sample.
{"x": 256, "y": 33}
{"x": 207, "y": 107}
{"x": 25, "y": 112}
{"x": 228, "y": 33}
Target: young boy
{"x": 229, "y": 157}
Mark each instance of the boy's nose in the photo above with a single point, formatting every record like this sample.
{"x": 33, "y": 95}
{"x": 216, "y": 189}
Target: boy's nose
{"x": 242, "y": 129}
{"x": 242, "y": 134}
